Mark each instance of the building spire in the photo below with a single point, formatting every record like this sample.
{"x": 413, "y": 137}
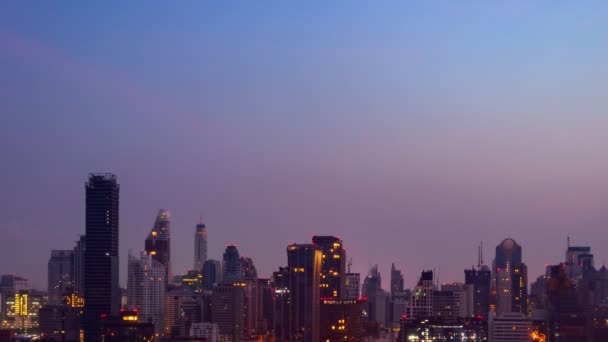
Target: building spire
{"x": 480, "y": 255}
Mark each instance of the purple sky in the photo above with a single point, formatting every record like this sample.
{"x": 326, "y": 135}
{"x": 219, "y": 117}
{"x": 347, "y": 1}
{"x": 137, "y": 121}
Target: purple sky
{"x": 412, "y": 130}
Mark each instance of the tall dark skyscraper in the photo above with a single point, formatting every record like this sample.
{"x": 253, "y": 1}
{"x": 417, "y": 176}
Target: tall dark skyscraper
{"x": 158, "y": 242}
{"x": 481, "y": 279}
{"x": 396, "y": 281}
{"x": 508, "y": 265}
{"x": 231, "y": 266}
{"x": 102, "y": 294}
{"x": 333, "y": 266}
{"x": 212, "y": 273}
{"x": 304, "y": 263}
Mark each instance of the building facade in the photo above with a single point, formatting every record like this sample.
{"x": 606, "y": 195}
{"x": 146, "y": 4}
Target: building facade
{"x": 102, "y": 293}
{"x": 304, "y": 265}
{"x": 146, "y": 289}
{"x": 158, "y": 242}
{"x": 60, "y": 275}
{"x": 200, "y": 246}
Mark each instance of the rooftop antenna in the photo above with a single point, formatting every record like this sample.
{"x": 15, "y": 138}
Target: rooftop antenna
{"x": 349, "y": 264}
{"x": 568, "y": 239}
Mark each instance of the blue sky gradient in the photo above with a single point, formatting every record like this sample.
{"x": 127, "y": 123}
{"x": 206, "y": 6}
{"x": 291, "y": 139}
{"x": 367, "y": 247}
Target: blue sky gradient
{"x": 412, "y": 130}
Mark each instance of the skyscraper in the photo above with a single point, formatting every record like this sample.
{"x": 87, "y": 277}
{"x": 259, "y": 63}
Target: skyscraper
{"x": 212, "y": 273}
{"x": 352, "y": 284}
{"x": 59, "y": 275}
{"x": 102, "y": 293}
{"x": 78, "y": 267}
{"x": 480, "y": 279}
{"x": 200, "y": 246}
{"x": 333, "y": 266}
{"x": 304, "y": 264}
{"x": 231, "y": 267}
{"x": 421, "y": 303}
{"x": 228, "y": 311}
{"x": 509, "y": 268}
{"x": 396, "y": 281}
{"x": 158, "y": 243}
{"x": 372, "y": 290}
{"x": 146, "y": 289}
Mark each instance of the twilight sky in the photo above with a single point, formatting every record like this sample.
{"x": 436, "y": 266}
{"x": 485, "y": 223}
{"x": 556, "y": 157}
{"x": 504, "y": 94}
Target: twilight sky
{"x": 411, "y": 129}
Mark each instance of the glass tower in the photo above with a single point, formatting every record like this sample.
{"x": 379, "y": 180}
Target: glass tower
{"x": 102, "y": 294}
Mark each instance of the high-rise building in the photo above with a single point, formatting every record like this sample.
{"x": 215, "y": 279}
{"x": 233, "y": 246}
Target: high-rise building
{"x": 182, "y": 308}
{"x": 481, "y": 279}
{"x": 208, "y": 331}
{"x": 578, "y": 259}
{"x": 333, "y": 266}
{"x": 509, "y": 327}
{"x": 453, "y": 302}
{"x": 264, "y": 306}
{"x": 375, "y": 297}
{"x": 212, "y": 273}
{"x": 102, "y": 293}
{"x": 78, "y": 267}
{"x": 352, "y": 286}
{"x": 231, "y": 266}
{"x": 200, "y": 246}
{"x": 60, "y": 275}
{"x": 304, "y": 263}
{"x": 281, "y": 304}
{"x": 192, "y": 280}
{"x": 228, "y": 311}
{"x": 421, "y": 303}
{"x": 158, "y": 242}
{"x": 342, "y": 320}
{"x": 508, "y": 267}
{"x": 249, "y": 281}
{"x": 145, "y": 289}
{"x": 396, "y": 280}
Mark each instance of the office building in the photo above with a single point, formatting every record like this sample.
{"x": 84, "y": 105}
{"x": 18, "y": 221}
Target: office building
{"x": 281, "y": 304}
{"x": 228, "y": 311}
{"x": 158, "y": 242}
{"x": 396, "y": 280}
{"x": 192, "y": 280}
{"x": 206, "y": 330}
{"x": 509, "y": 327}
{"x": 372, "y": 290}
{"x": 52, "y": 321}
{"x": 145, "y": 289}
{"x": 304, "y": 264}
{"x": 352, "y": 284}
{"x": 421, "y": 302}
{"x": 126, "y": 327}
{"x": 102, "y": 293}
{"x": 481, "y": 279}
{"x": 200, "y": 246}
{"x": 60, "y": 275}
{"x": 183, "y": 307}
{"x": 212, "y": 273}
{"x": 342, "y": 320}
{"x": 333, "y": 266}
{"x": 509, "y": 270}
{"x": 231, "y": 266}
{"x": 453, "y": 302}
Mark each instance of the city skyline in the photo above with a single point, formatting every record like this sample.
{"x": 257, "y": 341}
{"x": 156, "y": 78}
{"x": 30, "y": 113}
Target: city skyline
{"x": 409, "y": 282}
{"x": 411, "y": 131}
